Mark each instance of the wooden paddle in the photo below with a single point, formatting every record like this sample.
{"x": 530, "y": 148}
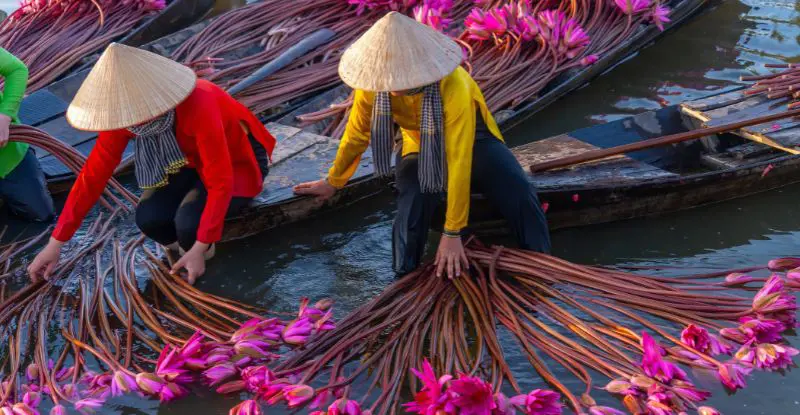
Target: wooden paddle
{"x": 656, "y": 142}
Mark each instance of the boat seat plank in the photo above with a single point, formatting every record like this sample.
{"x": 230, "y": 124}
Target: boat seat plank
{"x": 745, "y": 110}
{"x": 41, "y": 106}
{"x": 60, "y": 129}
{"x": 53, "y": 168}
{"x": 747, "y": 150}
{"x": 612, "y": 170}
{"x": 296, "y": 144}
{"x": 716, "y": 101}
{"x": 729, "y": 161}
{"x": 281, "y": 131}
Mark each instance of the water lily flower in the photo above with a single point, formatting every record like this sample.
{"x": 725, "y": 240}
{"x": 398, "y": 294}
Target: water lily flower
{"x": 503, "y": 405}
{"x": 64, "y": 373}
{"x": 732, "y": 375}
{"x": 763, "y": 330}
{"x": 297, "y": 395}
{"x": 170, "y": 364}
{"x": 472, "y": 395}
{"x": 257, "y": 376}
{"x": 32, "y": 399}
{"x": 631, "y": 7}
{"x": 58, "y": 410}
{"x": 699, "y": 339}
{"x": 429, "y": 399}
{"x": 774, "y": 356}
{"x": 550, "y": 23}
{"x": 21, "y": 408}
{"x": 193, "y": 346}
{"x": 604, "y": 410}
{"x": 653, "y": 363}
{"x": 254, "y": 348}
{"x": 248, "y": 407}
{"x": 589, "y": 60}
{"x": 483, "y": 25}
{"x": 231, "y": 387}
{"x": 32, "y": 372}
{"x": 344, "y": 407}
{"x": 737, "y": 278}
{"x": 88, "y": 406}
{"x": 149, "y": 383}
{"x": 321, "y": 399}
{"x": 620, "y": 387}
{"x": 70, "y": 391}
{"x": 688, "y": 391}
{"x": 707, "y": 410}
{"x": 172, "y": 391}
{"x": 6, "y": 410}
{"x": 573, "y": 38}
{"x": 432, "y": 17}
{"x": 659, "y": 16}
{"x": 122, "y": 383}
{"x": 783, "y": 264}
{"x": 220, "y": 373}
{"x": 539, "y": 402}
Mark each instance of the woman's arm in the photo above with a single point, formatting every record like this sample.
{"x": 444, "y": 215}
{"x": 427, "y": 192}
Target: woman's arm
{"x": 91, "y": 181}
{"x": 15, "y": 76}
{"x": 354, "y": 141}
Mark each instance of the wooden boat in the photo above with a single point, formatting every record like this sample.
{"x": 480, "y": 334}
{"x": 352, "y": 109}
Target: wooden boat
{"x": 302, "y": 155}
{"x": 644, "y": 183}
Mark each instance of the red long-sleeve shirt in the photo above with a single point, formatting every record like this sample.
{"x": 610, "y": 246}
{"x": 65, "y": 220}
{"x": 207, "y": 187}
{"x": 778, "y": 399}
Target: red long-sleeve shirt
{"x": 210, "y": 135}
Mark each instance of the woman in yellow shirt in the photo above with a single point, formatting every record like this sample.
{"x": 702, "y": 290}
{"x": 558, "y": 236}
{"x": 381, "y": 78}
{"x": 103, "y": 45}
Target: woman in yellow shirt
{"x": 449, "y": 142}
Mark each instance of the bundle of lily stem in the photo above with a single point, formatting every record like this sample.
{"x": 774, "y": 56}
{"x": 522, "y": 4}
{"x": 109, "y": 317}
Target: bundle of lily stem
{"x": 131, "y": 326}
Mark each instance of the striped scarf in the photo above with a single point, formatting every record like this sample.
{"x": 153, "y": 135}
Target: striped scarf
{"x": 156, "y": 151}
{"x": 432, "y": 163}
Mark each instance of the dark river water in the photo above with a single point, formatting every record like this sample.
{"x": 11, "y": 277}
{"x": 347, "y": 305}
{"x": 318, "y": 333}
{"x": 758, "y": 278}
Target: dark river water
{"x": 346, "y": 255}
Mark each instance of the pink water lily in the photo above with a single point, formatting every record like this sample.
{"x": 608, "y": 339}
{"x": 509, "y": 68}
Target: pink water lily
{"x": 573, "y": 38}
{"x": 248, "y": 407}
{"x": 220, "y": 373}
{"x": 298, "y": 395}
{"x": 654, "y": 364}
{"x": 783, "y": 264}
{"x": 255, "y": 377}
{"x": 659, "y": 16}
{"x": 344, "y": 407}
{"x": 773, "y": 357}
{"x": 122, "y": 382}
{"x": 32, "y": 372}
{"x": 762, "y": 330}
{"x": 688, "y": 391}
{"x": 503, "y": 405}
{"x": 539, "y": 402}
{"x": 298, "y": 331}
{"x": 631, "y": 7}
{"x": 432, "y": 16}
{"x": 737, "y": 278}
{"x": 471, "y": 395}
{"x": 32, "y": 399}
{"x": 149, "y": 383}
{"x": 707, "y": 410}
{"x": 172, "y": 391}
{"x": 170, "y": 364}
{"x": 620, "y": 387}
{"x": 589, "y": 60}
{"x": 253, "y": 348}
{"x": 322, "y": 399}
{"x": 483, "y": 25}
{"x": 699, "y": 339}
{"x": 732, "y": 375}
{"x": 193, "y": 346}
{"x": 88, "y": 406}
{"x": 58, "y": 410}
{"x": 430, "y": 398}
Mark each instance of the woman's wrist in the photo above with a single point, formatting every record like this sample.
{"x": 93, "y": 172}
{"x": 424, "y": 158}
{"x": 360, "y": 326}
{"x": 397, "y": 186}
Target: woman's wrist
{"x": 451, "y": 233}
{"x": 56, "y": 243}
{"x": 200, "y": 247}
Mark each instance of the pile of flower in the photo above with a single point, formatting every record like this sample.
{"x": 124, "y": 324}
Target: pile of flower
{"x": 239, "y": 364}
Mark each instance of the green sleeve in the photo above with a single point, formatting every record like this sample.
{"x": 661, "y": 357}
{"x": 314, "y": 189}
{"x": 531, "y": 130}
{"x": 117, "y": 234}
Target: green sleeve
{"x": 15, "y": 74}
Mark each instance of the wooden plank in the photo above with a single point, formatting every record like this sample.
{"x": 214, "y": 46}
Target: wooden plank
{"x": 60, "y": 129}
{"x": 281, "y": 132}
{"x": 716, "y": 101}
{"x": 551, "y": 149}
{"x": 41, "y": 106}
{"x": 745, "y": 110}
{"x": 296, "y": 144}
{"x": 616, "y": 172}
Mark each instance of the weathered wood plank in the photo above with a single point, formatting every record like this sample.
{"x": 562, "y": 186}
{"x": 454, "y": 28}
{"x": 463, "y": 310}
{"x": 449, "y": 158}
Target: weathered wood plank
{"x": 716, "y": 101}
{"x": 553, "y": 148}
{"x": 60, "y": 128}
{"x": 41, "y": 106}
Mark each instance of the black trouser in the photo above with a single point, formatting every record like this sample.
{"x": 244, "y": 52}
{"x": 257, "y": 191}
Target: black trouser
{"x": 497, "y": 174}
{"x": 172, "y": 213}
{"x": 25, "y": 191}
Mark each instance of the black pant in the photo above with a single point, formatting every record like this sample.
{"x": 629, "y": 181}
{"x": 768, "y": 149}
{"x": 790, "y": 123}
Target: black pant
{"x": 172, "y": 213}
{"x": 25, "y": 191}
{"x": 497, "y": 174}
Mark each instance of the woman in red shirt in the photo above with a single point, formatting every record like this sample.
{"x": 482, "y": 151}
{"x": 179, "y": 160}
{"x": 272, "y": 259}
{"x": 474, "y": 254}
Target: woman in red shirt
{"x": 199, "y": 153}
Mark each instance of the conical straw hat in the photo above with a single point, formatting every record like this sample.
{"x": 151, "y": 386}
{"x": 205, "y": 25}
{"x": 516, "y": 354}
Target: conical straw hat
{"x": 129, "y": 86}
{"x": 398, "y": 53}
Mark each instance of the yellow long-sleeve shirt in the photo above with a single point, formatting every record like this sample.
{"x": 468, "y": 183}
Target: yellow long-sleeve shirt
{"x": 461, "y": 100}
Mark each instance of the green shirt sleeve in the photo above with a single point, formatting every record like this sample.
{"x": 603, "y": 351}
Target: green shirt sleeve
{"x": 15, "y": 75}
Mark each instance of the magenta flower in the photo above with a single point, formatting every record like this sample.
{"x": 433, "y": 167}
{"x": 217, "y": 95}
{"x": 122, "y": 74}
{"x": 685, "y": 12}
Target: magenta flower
{"x": 253, "y": 348}
{"x": 192, "y": 347}
{"x": 321, "y": 399}
{"x": 248, "y": 407}
{"x": 483, "y": 25}
{"x": 20, "y": 408}
{"x": 297, "y": 395}
{"x": 631, "y": 7}
{"x": 172, "y": 391}
{"x": 737, "y": 278}
{"x": 471, "y": 395}
{"x": 654, "y": 364}
{"x": 688, "y": 392}
{"x": 573, "y": 38}
{"x": 604, "y": 410}
{"x": 32, "y": 399}
{"x": 430, "y": 399}
{"x": 659, "y": 16}
{"x": 88, "y": 406}
{"x": 732, "y": 375}
{"x": 432, "y": 17}
{"x": 344, "y": 407}
{"x": 699, "y": 339}
{"x": 620, "y": 387}
{"x": 762, "y": 330}
{"x": 122, "y": 383}
{"x": 707, "y": 410}
{"x": 220, "y": 373}
{"x": 589, "y": 60}
{"x": 170, "y": 365}
{"x": 149, "y": 383}
{"x": 773, "y": 357}
{"x": 783, "y": 264}
{"x": 58, "y": 410}
{"x": 272, "y": 392}
{"x": 297, "y": 332}
{"x": 257, "y": 376}
{"x": 503, "y": 405}
{"x": 539, "y": 402}
{"x": 64, "y": 373}
{"x": 32, "y": 372}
